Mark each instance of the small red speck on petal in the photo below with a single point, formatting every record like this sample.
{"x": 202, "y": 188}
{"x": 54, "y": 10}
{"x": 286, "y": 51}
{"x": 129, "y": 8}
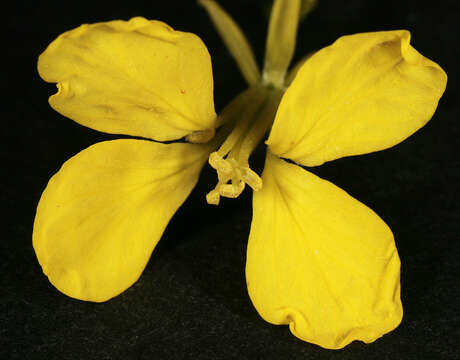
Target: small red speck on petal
{"x": 182, "y": 91}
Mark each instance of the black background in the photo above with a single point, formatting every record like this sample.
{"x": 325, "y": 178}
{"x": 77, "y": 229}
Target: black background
{"x": 191, "y": 301}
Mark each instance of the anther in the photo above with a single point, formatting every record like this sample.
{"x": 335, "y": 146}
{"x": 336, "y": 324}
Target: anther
{"x": 213, "y": 197}
{"x": 199, "y": 137}
{"x": 251, "y": 178}
{"x": 231, "y": 190}
{"x": 220, "y": 164}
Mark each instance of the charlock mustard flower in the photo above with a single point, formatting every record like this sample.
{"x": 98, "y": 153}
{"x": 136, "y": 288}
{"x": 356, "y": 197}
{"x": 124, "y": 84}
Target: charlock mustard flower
{"x": 317, "y": 259}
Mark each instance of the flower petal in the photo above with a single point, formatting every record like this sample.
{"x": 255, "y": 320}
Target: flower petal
{"x": 102, "y": 214}
{"x": 320, "y": 261}
{"x": 366, "y": 92}
{"x": 135, "y": 77}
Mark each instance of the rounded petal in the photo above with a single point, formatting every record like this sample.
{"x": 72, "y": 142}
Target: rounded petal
{"x": 135, "y": 77}
{"x": 102, "y": 214}
{"x": 366, "y": 92}
{"x": 320, "y": 261}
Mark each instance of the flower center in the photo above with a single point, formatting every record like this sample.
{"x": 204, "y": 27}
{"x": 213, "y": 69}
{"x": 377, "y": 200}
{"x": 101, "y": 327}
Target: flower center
{"x": 246, "y": 120}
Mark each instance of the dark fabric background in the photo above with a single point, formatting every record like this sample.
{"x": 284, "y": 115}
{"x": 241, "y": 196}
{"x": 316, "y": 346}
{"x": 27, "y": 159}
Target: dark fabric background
{"x": 191, "y": 302}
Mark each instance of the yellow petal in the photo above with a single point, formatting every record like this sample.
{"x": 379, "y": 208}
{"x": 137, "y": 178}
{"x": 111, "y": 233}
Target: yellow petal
{"x": 102, "y": 214}
{"x": 320, "y": 261}
{"x": 135, "y": 77}
{"x": 366, "y": 92}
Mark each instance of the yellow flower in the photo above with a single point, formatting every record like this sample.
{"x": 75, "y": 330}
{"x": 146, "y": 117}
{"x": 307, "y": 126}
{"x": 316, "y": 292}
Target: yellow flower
{"x": 317, "y": 259}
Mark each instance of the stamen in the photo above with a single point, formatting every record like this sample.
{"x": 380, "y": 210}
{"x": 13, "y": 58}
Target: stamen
{"x": 251, "y": 178}
{"x": 213, "y": 197}
{"x": 260, "y": 127}
{"x": 232, "y": 190}
{"x": 222, "y": 166}
{"x": 231, "y": 159}
{"x": 244, "y": 120}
